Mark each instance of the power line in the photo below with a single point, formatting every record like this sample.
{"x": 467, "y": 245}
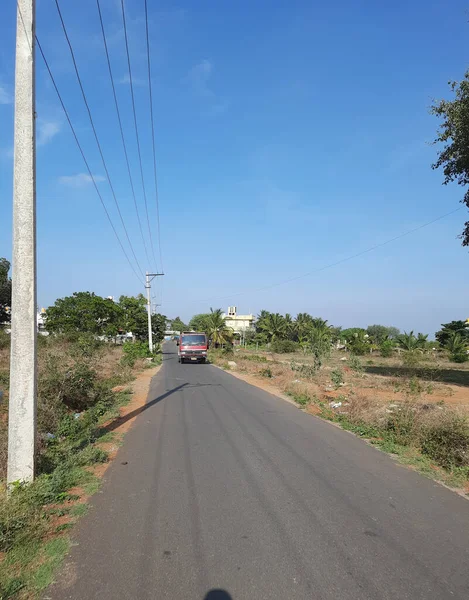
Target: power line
{"x": 341, "y": 261}
{"x": 84, "y": 159}
{"x": 121, "y": 129}
{"x": 95, "y": 134}
{"x": 153, "y": 137}
{"x": 136, "y": 129}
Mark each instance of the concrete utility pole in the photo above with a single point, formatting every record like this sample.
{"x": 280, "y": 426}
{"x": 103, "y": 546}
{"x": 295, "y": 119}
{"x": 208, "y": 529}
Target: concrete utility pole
{"x": 23, "y": 371}
{"x": 148, "y": 279}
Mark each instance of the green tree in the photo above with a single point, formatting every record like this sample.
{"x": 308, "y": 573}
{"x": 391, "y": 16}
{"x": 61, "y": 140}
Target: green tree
{"x": 84, "y": 312}
{"x": 216, "y": 328}
{"x": 448, "y": 329}
{"x": 158, "y": 326}
{"x": 199, "y": 322}
{"x": 178, "y": 325}
{"x": 134, "y": 316}
{"x": 379, "y": 333}
{"x": 454, "y": 135}
{"x": 5, "y": 290}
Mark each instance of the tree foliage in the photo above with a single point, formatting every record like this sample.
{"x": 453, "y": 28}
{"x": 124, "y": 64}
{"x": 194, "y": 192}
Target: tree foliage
{"x": 134, "y": 316}
{"x": 454, "y": 135}
{"x": 448, "y": 329}
{"x": 379, "y": 333}
{"x": 199, "y": 322}
{"x": 178, "y": 325}
{"x": 84, "y": 312}
{"x": 217, "y": 329}
{"x": 5, "y": 290}
{"x": 457, "y": 347}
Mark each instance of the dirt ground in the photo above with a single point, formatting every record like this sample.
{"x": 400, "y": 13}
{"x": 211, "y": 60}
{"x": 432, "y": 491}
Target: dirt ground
{"x": 383, "y": 381}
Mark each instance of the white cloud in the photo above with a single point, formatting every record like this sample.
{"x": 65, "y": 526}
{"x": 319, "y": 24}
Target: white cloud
{"x": 80, "y": 180}
{"x": 125, "y": 80}
{"x": 5, "y": 96}
{"x": 46, "y": 131}
{"x": 198, "y": 78}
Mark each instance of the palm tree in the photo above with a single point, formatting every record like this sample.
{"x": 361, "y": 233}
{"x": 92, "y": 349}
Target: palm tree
{"x": 303, "y": 323}
{"x": 273, "y": 325}
{"x": 408, "y": 341}
{"x": 217, "y": 329}
{"x": 289, "y": 327}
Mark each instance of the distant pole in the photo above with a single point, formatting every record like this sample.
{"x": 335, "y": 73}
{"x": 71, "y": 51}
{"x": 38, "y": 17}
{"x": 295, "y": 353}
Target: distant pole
{"x": 148, "y": 279}
{"x": 23, "y": 362}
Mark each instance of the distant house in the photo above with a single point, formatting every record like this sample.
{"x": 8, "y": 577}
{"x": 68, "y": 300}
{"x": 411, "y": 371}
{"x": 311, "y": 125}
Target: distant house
{"x": 238, "y": 323}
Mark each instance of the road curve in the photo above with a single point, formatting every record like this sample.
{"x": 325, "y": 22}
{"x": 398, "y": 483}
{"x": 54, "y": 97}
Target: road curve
{"x": 228, "y": 493}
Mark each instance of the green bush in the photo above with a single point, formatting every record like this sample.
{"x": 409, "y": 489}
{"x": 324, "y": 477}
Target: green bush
{"x": 386, "y": 348}
{"x": 284, "y": 346}
{"x": 134, "y": 351}
{"x": 267, "y": 372}
{"x": 401, "y": 426}
{"x": 355, "y": 364}
{"x": 447, "y": 442}
{"x": 337, "y": 377}
{"x": 459, "y": 357}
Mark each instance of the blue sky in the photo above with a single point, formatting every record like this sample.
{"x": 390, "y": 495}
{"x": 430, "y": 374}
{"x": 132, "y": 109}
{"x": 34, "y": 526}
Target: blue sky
{"x": 289, "y": 136}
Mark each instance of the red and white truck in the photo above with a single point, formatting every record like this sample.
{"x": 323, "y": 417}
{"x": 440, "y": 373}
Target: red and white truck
{"x": 192, "y": 347}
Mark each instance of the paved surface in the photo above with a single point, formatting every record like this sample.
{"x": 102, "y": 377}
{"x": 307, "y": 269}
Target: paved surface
{"x": 228, "y": 488}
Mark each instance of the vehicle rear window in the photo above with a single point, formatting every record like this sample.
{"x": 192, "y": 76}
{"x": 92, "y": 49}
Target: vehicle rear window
{"x": 193, "y": 340}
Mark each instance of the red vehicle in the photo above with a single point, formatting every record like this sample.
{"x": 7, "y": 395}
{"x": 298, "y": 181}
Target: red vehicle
{"x": 192, "y": 347}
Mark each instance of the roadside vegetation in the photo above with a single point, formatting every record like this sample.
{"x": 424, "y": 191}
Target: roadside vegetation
{"x": 404, "y": 393}
{"x": 83, "y": 378}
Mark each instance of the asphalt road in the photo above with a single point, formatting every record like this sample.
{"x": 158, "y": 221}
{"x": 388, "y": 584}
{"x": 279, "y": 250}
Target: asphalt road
{"x": 229, "y": 488}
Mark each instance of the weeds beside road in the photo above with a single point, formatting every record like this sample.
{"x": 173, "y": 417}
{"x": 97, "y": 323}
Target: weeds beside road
{"x": 81, "y": 388}
{"x": 409, "y": 412}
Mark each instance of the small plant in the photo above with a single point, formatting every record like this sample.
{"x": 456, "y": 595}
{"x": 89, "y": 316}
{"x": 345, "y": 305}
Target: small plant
{"x": 337, "y": 378}
{"x": 415, "y": 387}
{"x": 228, "y": 350}
{"x": 447, "y": 442}
{"x": 267, "y": 372}
{"x": 133, "y": 351}
{"x": 411, "y": 358}
{"x": 305, "y": 370}
{"x": 355, "y": 364}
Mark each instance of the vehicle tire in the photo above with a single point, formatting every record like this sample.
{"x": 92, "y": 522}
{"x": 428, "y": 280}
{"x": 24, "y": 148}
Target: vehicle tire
{"x": 202, "y": 360}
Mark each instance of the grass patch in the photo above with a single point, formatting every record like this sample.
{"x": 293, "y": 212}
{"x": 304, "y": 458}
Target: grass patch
{"x": 78, "y": 510}
{"x": 74, "y": 402}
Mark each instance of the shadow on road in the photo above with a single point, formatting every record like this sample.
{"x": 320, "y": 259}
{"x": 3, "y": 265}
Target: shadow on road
{"x": 454, "y": 376}
{"x": 218, "y": 595}
{"x": 120, "y": 420}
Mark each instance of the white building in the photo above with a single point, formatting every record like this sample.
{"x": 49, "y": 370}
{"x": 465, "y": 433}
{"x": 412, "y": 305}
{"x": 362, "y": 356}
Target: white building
{"x": 238, "y": 323}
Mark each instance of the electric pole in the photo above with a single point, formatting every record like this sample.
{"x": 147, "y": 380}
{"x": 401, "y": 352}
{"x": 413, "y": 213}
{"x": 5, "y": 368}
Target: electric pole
{"x": 148, "y": 279}
{"x": 23, "y": 364}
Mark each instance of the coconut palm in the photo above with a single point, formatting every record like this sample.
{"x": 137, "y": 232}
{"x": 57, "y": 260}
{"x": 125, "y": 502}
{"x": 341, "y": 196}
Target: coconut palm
{"x": 272, "y": 325}
{"x": 217, "y": 329}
